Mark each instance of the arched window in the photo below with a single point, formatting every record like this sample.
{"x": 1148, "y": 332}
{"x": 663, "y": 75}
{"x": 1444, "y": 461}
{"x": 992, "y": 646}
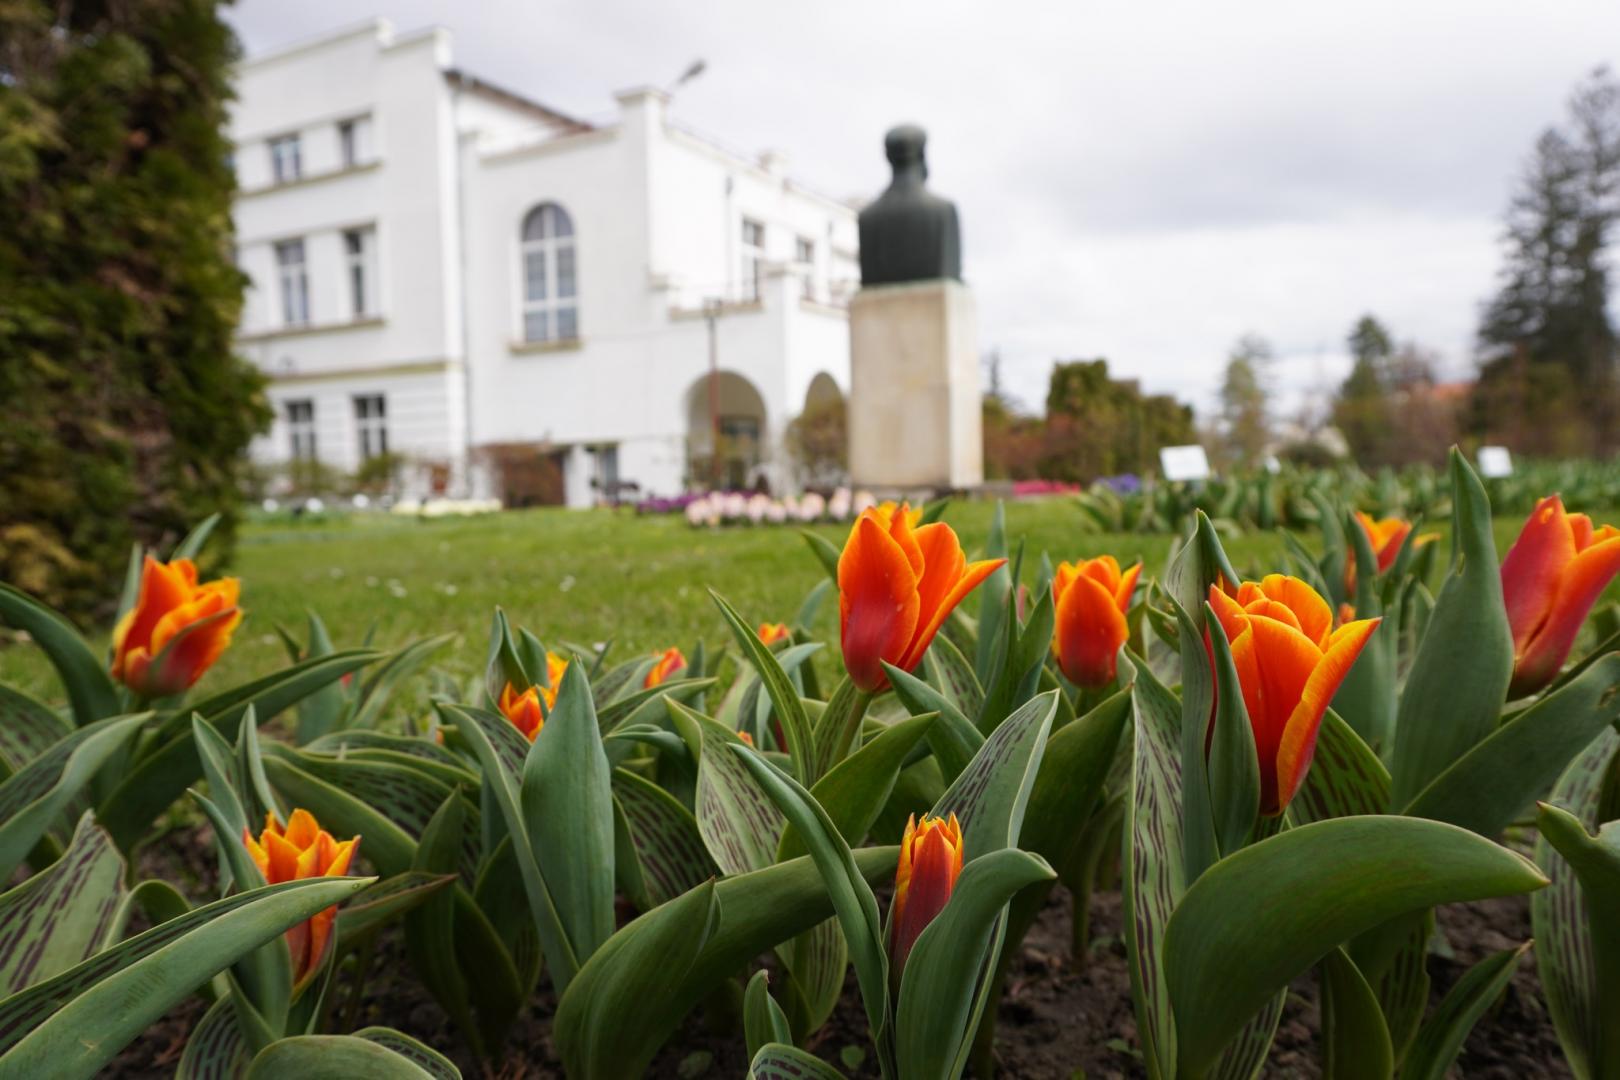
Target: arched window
{"x": 550, "y": 303}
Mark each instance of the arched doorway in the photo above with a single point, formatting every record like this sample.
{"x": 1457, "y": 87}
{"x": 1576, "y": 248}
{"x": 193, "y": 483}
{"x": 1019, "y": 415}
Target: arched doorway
{"x": 731, "y": 408}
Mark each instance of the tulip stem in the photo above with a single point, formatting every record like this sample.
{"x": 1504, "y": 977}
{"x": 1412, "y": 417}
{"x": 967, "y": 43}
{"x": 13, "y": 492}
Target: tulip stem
{"x": 362, "y": 971}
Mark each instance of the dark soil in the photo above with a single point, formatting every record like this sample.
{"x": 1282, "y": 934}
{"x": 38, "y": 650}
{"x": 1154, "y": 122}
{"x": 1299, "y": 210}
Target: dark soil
{"x": 1056, "y": 1020}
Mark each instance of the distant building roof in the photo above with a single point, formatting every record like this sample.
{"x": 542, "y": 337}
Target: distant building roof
{"x": 461, "y": 80}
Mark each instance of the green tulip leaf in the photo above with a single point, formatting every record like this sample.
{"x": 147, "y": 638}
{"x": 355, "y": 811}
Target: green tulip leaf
{"x": 426, "y": 1058}
{"x": 941, "y": 987}
{"x": 215, "y": 1049}
{"x": 763, "y": 1019}
{"x": 90, "y": 689}
{"x": 28, "y": 728}
{"x": 567, "y": 800}
{"x": 70, "y": 1026}
{"x": 826, "y": 552}
{"x": 855, "y": 791}
{"x": 1440, "y": 1039}
{"x": 1262, "y": 915}
{"x": 1355, "y": 1039}
{"x": 1234, "y": 765}
{"x": 1345, "y": 778}
{"x": 783, "y": 1061}
{"x": 334, "y": 1057}
{"x": 801, "y": 747}
{"x": 394, "y": 671}
{"x": 739, "y": 823}
{"x": 1487, "y": 787}
{"x": 666, "y": 853}
{"x": 954, "y": 738}
{"x": 950, "y": 673}
{"x": 991, "y": 794}
{"x": 1453, "y": 693}
{"x": 613, "y": 1019}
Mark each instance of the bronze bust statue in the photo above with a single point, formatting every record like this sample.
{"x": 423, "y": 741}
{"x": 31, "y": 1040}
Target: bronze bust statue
{"x": 908, "y": 233}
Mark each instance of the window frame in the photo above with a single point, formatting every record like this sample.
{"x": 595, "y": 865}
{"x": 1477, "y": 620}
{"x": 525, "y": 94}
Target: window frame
{"x": 370, "y": 427}
{"x": 295, "y": 172}
{"x": 302, "y": 440}
{"x": 752, "y": 249}
{"x": 804, "y": 251}
{"x": 555, "y": 241}
{"x": 360, "y": 268}
{"x": 292, "y": 281}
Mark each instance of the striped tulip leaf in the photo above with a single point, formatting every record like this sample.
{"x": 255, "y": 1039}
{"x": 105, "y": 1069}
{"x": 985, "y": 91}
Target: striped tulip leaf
{"x": 855, "y": 791}
{"x": 950, "y": 673}
{"x": 33, "y": 797}
{"x": 1345, "y": 778}
{"x": 784, "y": 1061}
{"x": 121, "y": 991}
{"x": 1355, "y": 1039}
{"x": 58, "y": 917}
{"x": 663, "y": 855}
{"x": 1558, "y": 914}
{"x": 1263, "y": 915}
{"x": 28, "y": 728}
{"x": 991, "y": 794}
{"x": 612, "y": 1019}
{"x": 425, "y": 1058}
{"x": 955, "y": 738}
{"x": 738, "y": 822}
{"x": 304, "y": 1056}
{"x": 801, "y": 747}
{"x": 215, "y": 1050}
{"x": 1152, "y": 870}
{"x": 763, "y": 1019}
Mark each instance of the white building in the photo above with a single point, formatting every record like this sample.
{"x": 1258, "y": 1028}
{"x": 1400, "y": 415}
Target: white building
{"x": 514, "y": 299}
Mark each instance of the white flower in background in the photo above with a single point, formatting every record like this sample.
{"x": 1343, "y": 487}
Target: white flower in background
{"x": 736, "y": 505}
{"x": 697, "y": 512}
{"x": 407, "y": 506}
{"x": 776, "y": 513}
{"x": 838, "y": 505}
{"x": 811, "y": 507}
{"x": 864, "y": 501}
{"x": 758, "y": 507}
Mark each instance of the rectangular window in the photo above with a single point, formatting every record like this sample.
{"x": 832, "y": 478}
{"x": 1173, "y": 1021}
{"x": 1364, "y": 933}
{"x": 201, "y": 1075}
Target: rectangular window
{"x": 348, "y": 147}
{"x": 605, "y": 467}
{"x": 753, "y": 258}
{"x": 286, "y": 163}
{"x": 371, "y": 425}
{"x": 301, "y": 429}
{"x": 294, "y": 280}
{"x": 805, "y": 254}
{"x": 360, "y": 258}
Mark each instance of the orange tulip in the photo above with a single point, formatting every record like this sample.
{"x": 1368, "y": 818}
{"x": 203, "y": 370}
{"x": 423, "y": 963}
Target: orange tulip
{"x": 886, "y": 510}
{"x": 1290, "y": 662}
{"x": 1092, "y": 597}
{"x": 930, "y": 862}
{"x": 1553, "y": 574}
{"x": 302, "y": 850}
{"x": 175, "y": 631}
{"x": 771, "y": 633}
{"x": 1385, "y": 536}
{"x": 670, "y": 662}
{"x": 528, "y": 710}
{"x": 896, "y": 587}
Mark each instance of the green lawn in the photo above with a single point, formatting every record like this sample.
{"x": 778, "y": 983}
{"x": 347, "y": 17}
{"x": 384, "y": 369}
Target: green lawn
{"x": 584, "y": 576}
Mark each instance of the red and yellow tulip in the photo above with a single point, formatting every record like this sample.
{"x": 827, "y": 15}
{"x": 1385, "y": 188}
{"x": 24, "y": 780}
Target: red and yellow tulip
{"x": 771, "y": 633}
{"x": 930, "y": 862}
{"x": 1290, "y": 662}
{"x": 1385, "y": 536}
{"x": 302, "y": 850}
{"x": 896, "y": 587}
{"x": 1092, "y": 597}
{"x": 175, "y": 631}
{"x": 528, "y": 710}
{"x": 1553, "y": 574}
{"x": 670, "y": 662}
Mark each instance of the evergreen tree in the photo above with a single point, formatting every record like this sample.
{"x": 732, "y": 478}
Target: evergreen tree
{"x": 124, "y": 413}
{"x": 1244, "y": 423}
{"x": 1362, "y": 410}
{"x": 1547, "y": 344}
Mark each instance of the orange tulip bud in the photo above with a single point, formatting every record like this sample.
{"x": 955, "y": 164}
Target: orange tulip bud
{"x": 1092, "y": 597}
{"x": 930, "y": 861}
{"x": 896, "y": 587}
{"x": 528, "y": 710}
{"x": 670, "y": 663}
{"x": 771, "y": 633}
{"x": 175, "y": 631}
{"x": 302, "y": 850}
{"x": 1385, "y": 536}
{"x": 1553, "y": 574}
{"x": 746, "y": 737}
{"x": 1290, "y": 662}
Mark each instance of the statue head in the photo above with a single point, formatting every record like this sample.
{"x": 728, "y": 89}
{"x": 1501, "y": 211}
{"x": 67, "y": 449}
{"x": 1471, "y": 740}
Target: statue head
{"x": 904, "y": 147}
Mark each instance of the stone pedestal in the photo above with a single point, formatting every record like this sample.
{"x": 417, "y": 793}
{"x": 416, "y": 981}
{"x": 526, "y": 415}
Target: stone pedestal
{"x": 914, "y": 403}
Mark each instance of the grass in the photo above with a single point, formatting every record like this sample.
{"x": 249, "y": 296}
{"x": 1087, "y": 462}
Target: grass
{"x": 584, "y": 576}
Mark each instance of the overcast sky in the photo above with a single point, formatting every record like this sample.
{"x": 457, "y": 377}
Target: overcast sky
{"x": 1144, "y": 182}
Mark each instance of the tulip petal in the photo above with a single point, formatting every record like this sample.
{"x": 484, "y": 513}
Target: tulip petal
{"x": 943, "y": 563}
{"x": 1298, "y": 744}
{"x": 302, "y": 829}
{"x": 1127, "y": 587}
{"x": 1104, "y": 570}
{"x": 1285, "y": 659}
{"x": 877, "y": 600}
{"x": 933, "y": 874}
{"x": 901, "y": 529}
{"x": 1533, "y": 567}
{"x": 972, "y": 575}
{"x": 1229, "y": 612}
{"x": 1312, "y": 614}
{"x": 1583, "y": 581}
{"x": 1090, "y": 630}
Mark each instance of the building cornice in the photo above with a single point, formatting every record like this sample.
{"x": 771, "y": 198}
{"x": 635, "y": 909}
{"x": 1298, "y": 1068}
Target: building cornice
{"x": 410, "y": 367}
{"x": 311, "y": 178}
{"x": 369, "y": 322}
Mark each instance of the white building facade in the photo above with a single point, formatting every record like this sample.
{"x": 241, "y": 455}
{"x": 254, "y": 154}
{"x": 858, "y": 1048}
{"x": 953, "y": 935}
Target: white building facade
{"x": 486, "y": 296}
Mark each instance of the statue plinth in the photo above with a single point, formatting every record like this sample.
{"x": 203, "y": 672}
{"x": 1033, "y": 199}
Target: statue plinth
{"x": 915, "y": 418}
